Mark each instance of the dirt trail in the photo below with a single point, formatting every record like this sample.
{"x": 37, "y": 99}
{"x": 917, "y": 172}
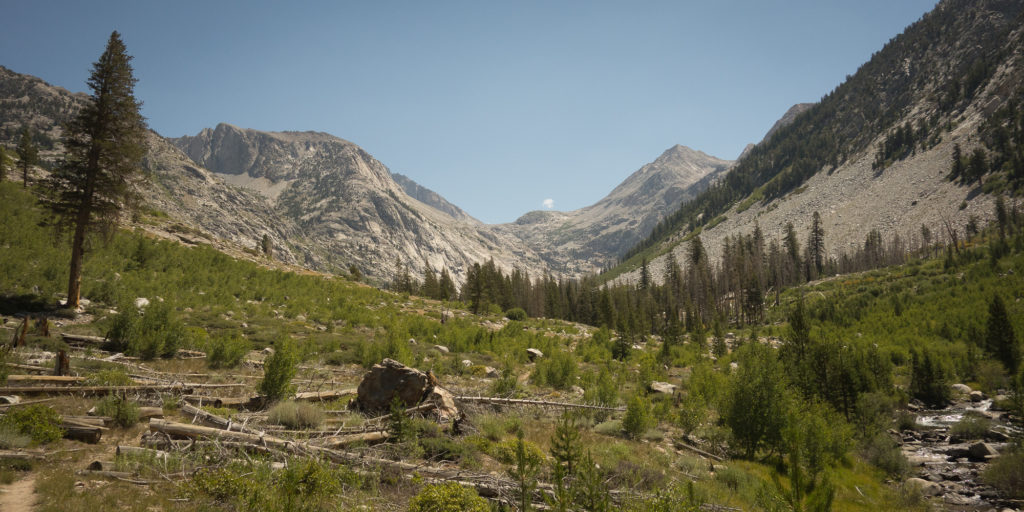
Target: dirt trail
{"x": 19, "y": 496}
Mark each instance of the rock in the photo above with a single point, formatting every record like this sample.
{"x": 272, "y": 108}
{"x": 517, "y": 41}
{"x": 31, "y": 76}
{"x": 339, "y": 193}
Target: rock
{"x": 982, "y": 451}
{"x": 977, "y": 396}
{"x": 141, "y": 302}
{"x": 534, "y": 353}
{"x": 467, "y": 363}
{"x": 662, "y": 387}
{"x": 733, "y": 366}
{"x": 444, "y": 404}
{"x": 441, "y": 348}
{"x": 412, "y": 341}
{"x": 963, "y": 389}
{"x": 491, "y": 373}
{"x": 576, "y": 390}
{"x": 268, "y": 351}
{"x": 388, "y": 379}
{"x": 10, "y": 399}
{"x": 927, "y": 488}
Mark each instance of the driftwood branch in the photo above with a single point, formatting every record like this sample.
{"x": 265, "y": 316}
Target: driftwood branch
{"x": 543, "y": 403}
{"x": 324, "y": 396}
{"x": 214, "y": 420}
{"x": 92, "y": 390}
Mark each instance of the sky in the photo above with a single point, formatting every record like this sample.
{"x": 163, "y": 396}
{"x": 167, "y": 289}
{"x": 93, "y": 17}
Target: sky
{"x": 501, "y": 107}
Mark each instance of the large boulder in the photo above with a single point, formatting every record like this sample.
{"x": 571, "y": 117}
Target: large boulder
{"x": 533, "y": 353}
{"x": 663, "y": 388}
{"x": 927, "y": 488}
{"x": 982, "y": 451}
{"x": 387, "y": 379}
{"x": 444, "y": 404}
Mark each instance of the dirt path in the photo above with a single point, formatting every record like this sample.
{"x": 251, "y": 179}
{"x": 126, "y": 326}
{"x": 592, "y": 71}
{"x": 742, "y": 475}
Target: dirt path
{"x": 19, "y": 496}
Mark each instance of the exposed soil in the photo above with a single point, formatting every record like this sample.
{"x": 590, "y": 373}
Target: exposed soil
{"x": 19, "y": 496}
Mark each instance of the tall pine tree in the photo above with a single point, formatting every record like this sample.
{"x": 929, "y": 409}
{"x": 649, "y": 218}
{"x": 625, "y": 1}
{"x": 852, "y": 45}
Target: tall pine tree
{"x": 104, "y": 146}
{"x": 28, "y": 154}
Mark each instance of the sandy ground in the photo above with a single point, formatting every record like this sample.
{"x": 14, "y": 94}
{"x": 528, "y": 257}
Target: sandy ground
{"x": 19, "y": 496}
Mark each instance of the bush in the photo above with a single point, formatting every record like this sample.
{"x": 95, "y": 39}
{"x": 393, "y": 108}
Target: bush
{"x": 885, "y": 454}
{"x": 516, "y": 314}
{"x": 278, "y": 371}
{"x": 150, "y": 334}
{"x": 557, "y": 371}
{"x": 295, "y": 415}
{"x": 226, "y": 351}
{"x": 448, "y": 497}
{"x": 505, "y": 452}
{"x": 1006, "y": 473}
{"x": 124, "y": 412}
{"x": 971, "y": 426}
{"x": 11, "y": 438}
{"x": 39, "y": 422}
{"x": 111, "y": 377}
{"x": 638, "y": 418}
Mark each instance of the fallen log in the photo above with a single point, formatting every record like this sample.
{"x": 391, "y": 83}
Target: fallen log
{"x": 96, "y": 421}
{"x": 189, "y": 354}
{"x": 323, "y": 396}
{"x": 30, "y": 367}
{"x": 81, "y": 339}
{"x": 52, "y": 379}
{"x": 4, "y": 407}
{"x": 251, "y": 402}
{"x": 214, "y": 420}
{"x": 698, "y": 451}
{"x": 347, "y": 440}
{"x": 22, "y": 454}
{"x": 183, "y": 388}
{"x": 102, "y": 465}
{"x": 138, "y": 451}
{"x": 543, "y": 403}
{"x": 81, "y": 432}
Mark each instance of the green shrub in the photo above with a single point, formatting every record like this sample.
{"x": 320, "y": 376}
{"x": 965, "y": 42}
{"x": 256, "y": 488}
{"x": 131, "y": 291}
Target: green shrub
{"x": 1006, "y": 473}
{"x": 516, "y": 314}
{"x": 278, "y": 371}
{"x": 295, "y": 415}
{"x": 111, "y": 377}
{"x": 156, "y": 332}
{"x": 638, "y": 418}
{"x": 448, "y": 497}
{"x": 39, "y": 422}
{"x": 226, "y": 351}
{"x": 885, "y": 454}
{"x": 971, "y": 426}
{"x": 505, "y": 452}
{"x": 124, "y": 412}
{"x": 557, "y": 371}
{"x": 11, "y": 438}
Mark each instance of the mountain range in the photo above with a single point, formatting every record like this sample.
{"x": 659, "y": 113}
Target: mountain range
{"x": 326, "y": 204}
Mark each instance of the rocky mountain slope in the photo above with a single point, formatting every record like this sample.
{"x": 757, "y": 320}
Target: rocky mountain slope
{"x": 348, "y": 201}
{"x": 184, "y": 201}
{"x": 593, "y": 237}
{"x": 431, "y": 198}
{"x": 939, "y": 81}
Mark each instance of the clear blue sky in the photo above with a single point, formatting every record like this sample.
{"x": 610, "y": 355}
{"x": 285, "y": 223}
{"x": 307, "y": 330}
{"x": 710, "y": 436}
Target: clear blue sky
{"x": 495, "y": 105}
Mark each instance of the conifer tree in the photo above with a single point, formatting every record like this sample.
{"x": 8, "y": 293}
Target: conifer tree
{"x": 1000, "y": 339}
{"x": 816, "y": 245}
{"x": 104, "y": 146}
{"x": 28, "y": 154}
{"x": 3, "y": 163}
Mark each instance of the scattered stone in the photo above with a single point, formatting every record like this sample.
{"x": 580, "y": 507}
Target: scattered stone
{"x": 388, "y": 379}
{"x": 467, "y": 363}
{"x": 141, "y": 302}
{"x": 977, "y": 396}
{"x": 982, "y": 451}
{"x": 733, "y": 366}
{"x": 534, "y": 353}
{"x": 412, "y": 341}
{"x": 268, "y": 350}
{"x": 10, "y": 399}
{"x": 441, "y": 348}
{"x": 962, "y": 388}
{"x": 444, "y": 404}
{"x": 491, "y": 373}
{"x": 927, "y": 488}
{"x": 662, "y": 387}
{"x": 576, "y": 390}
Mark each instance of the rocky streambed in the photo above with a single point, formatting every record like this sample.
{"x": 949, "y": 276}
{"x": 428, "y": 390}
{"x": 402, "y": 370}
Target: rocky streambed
{"x": 950, "y": 448}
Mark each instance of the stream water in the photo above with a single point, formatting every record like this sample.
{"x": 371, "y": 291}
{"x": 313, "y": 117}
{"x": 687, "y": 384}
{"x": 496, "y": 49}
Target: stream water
{"x": 955, "y": 465}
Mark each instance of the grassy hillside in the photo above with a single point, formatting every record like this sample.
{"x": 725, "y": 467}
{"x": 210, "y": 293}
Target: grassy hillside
{"x": 638, "y": 459}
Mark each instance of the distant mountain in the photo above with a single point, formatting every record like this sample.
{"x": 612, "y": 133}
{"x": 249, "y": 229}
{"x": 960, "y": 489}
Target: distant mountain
{"x": 431, "y": 198}
{"x": 195, "y": 205}
{"x": 587, "y": 239}
{"x": 348, "y": 201}
{"x": 875, "y": 153}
